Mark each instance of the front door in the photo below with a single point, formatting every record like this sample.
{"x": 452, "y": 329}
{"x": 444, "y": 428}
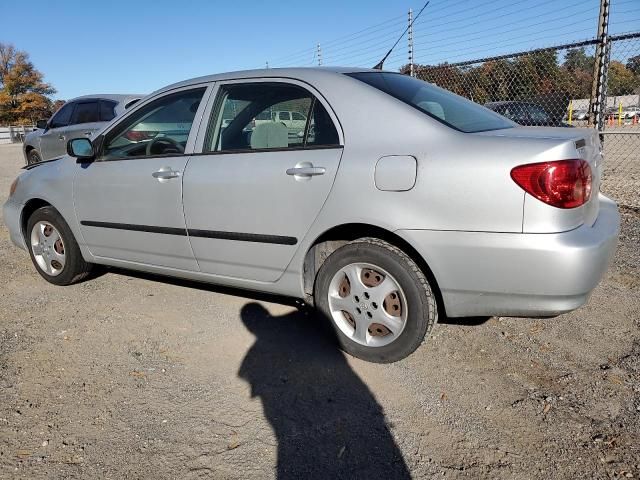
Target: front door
{"x": 129, "y": 201}
{"x": 254, "y": 192}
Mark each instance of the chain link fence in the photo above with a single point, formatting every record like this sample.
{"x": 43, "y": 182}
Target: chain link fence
{"x": 552, "y": 87}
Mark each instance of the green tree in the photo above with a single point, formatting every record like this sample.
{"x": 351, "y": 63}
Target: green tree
{"x": 633, "y": 64}
{"x": 23, "y": 92}
{"x": 577, "y": 59}
{"x": 622, "y": 81}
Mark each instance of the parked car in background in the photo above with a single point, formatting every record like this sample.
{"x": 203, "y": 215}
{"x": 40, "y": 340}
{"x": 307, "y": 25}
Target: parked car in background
{"x": 631, "y": 112}
{"x": 526, "y": 113}
{"x": 380, "y": 224}
{"x": 79, "y": 117}
{"x": 579, "y": 115}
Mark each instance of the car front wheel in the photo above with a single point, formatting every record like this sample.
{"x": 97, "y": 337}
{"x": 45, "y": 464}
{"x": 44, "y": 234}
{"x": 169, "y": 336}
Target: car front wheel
{"x": 377, "y": 299}
{"x": 33, "y": 157}
{"x": 53, "y": 249}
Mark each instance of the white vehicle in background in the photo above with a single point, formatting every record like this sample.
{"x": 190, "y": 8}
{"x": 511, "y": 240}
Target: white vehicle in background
{"x": 629, "y": 112}
{"x": 292, "y": 120}
{"x": 580, "y": 115}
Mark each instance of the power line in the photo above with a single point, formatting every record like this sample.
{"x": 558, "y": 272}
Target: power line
{"x": 467, "y": 39}
{"x": 494, "y": 17}
{"x": 485, "y": 51}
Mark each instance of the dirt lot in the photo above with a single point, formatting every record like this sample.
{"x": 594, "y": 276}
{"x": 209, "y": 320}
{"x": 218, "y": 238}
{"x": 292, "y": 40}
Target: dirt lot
{"x": 134, "y": 376}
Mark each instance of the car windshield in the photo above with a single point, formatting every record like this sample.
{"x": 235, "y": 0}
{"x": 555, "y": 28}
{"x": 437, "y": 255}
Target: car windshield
{"x": 446, "y": 107}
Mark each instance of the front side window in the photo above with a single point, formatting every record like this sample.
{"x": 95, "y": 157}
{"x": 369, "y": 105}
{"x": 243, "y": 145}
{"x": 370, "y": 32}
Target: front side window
{"x": 265, "y": 116}
{"x": 85, "y": 112}
{"x": 62, "y": 116}
{"x": 160, "y": 128}
{"x": 446, "y": 107}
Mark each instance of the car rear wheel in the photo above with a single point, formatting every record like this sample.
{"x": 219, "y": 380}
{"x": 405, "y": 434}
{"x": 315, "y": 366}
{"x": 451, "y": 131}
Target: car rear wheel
{"x": 33, "y": 157}
{"x": 377, "y": 299}
{"x": 53, "y": 249}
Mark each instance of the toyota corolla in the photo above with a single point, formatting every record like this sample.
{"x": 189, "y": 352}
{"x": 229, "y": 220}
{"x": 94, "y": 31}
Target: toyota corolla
{"x": 392, "y": 203}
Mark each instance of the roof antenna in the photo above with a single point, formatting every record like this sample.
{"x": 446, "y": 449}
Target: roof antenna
{"x": 381, "y": 62}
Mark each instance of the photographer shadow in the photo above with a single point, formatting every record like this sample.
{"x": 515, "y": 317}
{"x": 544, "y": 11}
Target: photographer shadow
{"x": 327, "y": 422}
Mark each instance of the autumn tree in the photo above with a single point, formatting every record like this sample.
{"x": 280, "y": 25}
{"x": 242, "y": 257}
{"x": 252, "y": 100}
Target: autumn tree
{"x": 621, "y": 80}
{"x": 23, "y": 92}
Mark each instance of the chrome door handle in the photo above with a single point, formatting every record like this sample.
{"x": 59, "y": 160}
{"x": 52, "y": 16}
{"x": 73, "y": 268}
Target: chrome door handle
{"x": 60, "y": 137}
{"x": 165, "y": 173}
{"x": 88, "y": 133}
{"x": 306, "y": 171}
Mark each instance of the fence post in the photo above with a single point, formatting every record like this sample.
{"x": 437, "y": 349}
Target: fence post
{"x": 319, "y": 54}
{"x": 410, "y": 41}
{"x": 598, "y": 101}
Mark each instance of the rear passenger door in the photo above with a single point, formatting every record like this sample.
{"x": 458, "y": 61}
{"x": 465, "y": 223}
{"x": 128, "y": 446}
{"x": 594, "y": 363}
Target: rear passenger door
{"x": 85, "y": 120}
{"x": 252, "y": 193}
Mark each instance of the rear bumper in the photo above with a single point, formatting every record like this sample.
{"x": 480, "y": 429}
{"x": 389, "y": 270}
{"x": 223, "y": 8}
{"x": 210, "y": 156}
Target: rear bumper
{"x": 527, "y": 275}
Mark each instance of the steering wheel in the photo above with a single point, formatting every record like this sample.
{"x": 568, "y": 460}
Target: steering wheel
{"x": 167, "y": 140}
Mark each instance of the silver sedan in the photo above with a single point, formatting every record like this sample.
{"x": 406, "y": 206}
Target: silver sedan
{"x": 393, "y": 203}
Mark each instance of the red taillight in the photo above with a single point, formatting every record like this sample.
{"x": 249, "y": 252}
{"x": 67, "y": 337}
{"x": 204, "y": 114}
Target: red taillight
{"x": 139, "y": 135}
{"x": 563, "y": 183}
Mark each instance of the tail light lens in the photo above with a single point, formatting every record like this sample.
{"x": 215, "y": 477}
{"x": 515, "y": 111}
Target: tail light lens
{"x": 562, "y": 184}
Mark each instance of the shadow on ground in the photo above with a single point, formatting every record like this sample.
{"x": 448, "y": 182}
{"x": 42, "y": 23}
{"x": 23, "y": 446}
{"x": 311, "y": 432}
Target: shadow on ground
{"x": 327, "y": 422}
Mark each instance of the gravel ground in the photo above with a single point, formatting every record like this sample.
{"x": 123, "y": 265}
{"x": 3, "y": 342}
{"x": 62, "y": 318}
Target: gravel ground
{"x": 133, "y": 376}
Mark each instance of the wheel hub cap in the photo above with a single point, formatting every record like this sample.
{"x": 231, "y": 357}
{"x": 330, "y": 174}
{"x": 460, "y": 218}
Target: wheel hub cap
{"x": 48, "y": 248}
{"x": 367, "y": 304}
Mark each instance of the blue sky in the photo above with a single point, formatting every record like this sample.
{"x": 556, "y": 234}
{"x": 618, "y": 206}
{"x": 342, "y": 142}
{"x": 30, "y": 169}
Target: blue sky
{"x": 137, "y": 46}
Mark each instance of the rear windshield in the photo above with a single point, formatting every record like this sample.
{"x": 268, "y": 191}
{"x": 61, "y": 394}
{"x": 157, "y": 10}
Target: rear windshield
{"x": 446, "y": 107}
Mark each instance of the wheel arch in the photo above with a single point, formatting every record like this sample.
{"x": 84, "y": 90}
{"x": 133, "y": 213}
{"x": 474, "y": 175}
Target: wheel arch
{"x": 31, "y": 206}
{"x": 337, "y": 236}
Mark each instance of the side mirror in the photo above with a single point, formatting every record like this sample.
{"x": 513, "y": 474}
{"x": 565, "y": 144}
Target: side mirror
{"x": 41, "y": 124}
{"x": 81, "y": 148}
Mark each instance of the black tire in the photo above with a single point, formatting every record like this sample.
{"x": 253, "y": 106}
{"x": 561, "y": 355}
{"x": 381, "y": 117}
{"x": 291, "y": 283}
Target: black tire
{"x": 422, "y": 312}
{"x": 33, "y": 157}
{"x": 75, "y": 268}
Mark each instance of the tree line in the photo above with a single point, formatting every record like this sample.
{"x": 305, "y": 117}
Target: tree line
{"x": 532, "y": 76}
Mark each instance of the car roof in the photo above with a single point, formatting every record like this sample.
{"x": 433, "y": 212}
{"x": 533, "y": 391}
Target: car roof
{"x": 300, "y": 73}
{"x": 116, "y": 97}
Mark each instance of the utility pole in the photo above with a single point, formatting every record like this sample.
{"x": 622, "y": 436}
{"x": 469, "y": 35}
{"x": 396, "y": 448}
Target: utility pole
{"x": 319, "y": 55}
{"x": 410, "y": 42}
{"x": 597, "y": 104}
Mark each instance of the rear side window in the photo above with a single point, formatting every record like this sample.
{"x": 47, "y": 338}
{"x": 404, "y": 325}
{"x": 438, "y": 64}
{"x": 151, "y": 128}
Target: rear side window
{"x": 62, "y": 116}
{"x": 446, "y": 107}
{"x": 252, "y": 117}
{"x": 107, "y": 110}
{"x": 85, "y": 112}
